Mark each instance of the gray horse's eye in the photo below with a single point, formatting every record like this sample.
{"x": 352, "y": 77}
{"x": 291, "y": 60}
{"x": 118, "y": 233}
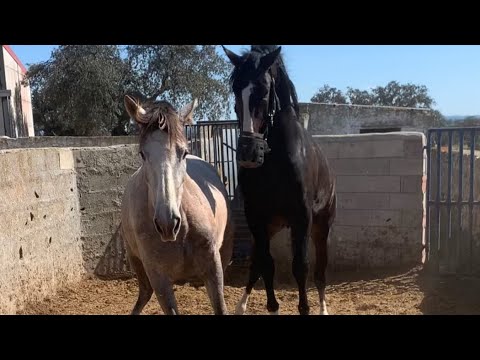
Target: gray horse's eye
{"x": 185, "y": 153}
{"x": 142, "y": 155}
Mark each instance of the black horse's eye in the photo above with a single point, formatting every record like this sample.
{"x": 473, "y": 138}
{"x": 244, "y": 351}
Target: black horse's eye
{"x": 142, "y": 155}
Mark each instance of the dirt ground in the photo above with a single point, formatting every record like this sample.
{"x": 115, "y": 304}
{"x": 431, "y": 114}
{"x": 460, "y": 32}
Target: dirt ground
{"x": 382, "y": 292}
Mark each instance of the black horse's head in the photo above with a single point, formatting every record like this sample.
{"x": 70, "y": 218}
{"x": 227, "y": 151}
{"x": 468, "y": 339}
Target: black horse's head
{"x": 253, "y": 83}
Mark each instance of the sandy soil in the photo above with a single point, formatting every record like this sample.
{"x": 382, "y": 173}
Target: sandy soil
{"x": 399, "y": 292}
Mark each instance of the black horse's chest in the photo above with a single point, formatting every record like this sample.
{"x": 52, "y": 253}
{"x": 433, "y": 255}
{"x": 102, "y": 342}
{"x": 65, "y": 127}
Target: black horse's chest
{"x": 271, "y": 189}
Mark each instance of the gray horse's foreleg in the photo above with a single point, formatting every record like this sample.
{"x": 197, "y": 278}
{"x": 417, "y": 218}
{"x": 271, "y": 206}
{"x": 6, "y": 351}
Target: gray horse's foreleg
{"x": 214, "y": 283}
{"x": 163, "y": 288}
{"x": 145, "y": 290}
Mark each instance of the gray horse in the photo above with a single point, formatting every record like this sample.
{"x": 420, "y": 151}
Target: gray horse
{"x": 176, "y": 220}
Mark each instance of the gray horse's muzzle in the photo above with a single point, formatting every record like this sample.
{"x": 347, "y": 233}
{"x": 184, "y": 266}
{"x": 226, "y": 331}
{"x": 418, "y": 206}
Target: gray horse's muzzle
{"x": 251, "y": 150}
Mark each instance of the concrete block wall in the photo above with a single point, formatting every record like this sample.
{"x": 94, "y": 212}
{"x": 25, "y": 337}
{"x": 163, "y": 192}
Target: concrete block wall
{"x": 40, "y": 246}
{"x": 65, "y": 141}
{"x": 334, "y": 119}
{"x": 380, "y": 182}
{"x": 102, "y": 173}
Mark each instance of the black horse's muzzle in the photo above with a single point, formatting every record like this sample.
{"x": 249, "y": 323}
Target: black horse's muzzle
{"x": 251, "y": 150}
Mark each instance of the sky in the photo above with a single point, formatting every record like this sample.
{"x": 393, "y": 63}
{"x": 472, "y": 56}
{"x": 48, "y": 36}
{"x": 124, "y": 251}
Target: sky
{"x": 450, "y": 72}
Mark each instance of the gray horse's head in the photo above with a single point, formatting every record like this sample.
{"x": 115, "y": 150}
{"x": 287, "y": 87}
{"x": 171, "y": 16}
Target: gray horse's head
{"x": 163, "y": 148}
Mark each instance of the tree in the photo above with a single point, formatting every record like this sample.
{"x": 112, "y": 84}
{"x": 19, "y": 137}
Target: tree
{"x": 359, "y": 97}
{"x": 329, "y": 95}
{"x": 393, "y": 94}
{"x": 178, "y": 73}
{"x": 402, "y": 95}
{"x": 78, "y": 91}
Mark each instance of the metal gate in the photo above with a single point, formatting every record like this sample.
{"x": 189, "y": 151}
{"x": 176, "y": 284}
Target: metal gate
{"x": 216, "y": 143}
{"x": 452, "y": 200}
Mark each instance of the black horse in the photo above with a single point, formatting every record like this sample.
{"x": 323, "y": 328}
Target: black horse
{"x": 284, "y": 177}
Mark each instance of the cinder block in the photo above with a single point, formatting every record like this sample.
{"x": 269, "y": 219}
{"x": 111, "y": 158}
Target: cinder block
{"x": 330, "y": 149}
{"x": 347, "y": 234}
{"x": 406, "y": 167}
{"x": 66, "y": 159}
{"x": 371, "y": 149}
{"x": 363, "y": 201}
{"x": 51, "y": 159}
{"x": 412, "y": 218}
{"x": 388, "y": 236}
{"x": 406, "y": 201}
{"x": 411, "y": 184}
{"x": 361, "y": 166}
{"x": 414, "y": 148}
{"x": 368, "y": 217}
{"x": 384, "y": 184}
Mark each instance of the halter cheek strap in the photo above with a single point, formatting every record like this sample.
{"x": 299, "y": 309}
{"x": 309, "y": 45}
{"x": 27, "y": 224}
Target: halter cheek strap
{"x": 273, "y": 105}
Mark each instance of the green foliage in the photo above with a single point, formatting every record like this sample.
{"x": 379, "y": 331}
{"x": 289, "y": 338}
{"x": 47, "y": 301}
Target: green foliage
{"x": 79, "y": 90}
{"x": 393, "y": 94}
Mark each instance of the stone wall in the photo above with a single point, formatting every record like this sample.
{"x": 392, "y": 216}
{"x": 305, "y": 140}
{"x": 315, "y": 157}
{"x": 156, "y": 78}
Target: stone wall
{"x": 380, "y": 208}
{"x": 40, "y": 246}
{"x": 336, "y": 119}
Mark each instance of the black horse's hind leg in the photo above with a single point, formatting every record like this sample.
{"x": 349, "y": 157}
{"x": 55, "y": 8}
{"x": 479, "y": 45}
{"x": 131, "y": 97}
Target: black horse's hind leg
{"x": 300, "y": 238}
{"x": 320, "y": 231}
{"x": 262, "y": 265}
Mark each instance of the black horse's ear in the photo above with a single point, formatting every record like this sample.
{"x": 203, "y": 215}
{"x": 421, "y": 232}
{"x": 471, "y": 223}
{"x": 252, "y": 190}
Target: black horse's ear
{"x": 235, "y": 59}
{"x": 267, "y": 60}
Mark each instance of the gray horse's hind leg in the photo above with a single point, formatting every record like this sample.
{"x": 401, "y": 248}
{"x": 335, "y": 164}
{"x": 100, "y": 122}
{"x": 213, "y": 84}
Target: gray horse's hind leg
{"x": 145, "y": 290}
{"x": 214, "y": 284}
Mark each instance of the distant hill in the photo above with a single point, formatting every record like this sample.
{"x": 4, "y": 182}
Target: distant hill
{"x": 460, "y": 117}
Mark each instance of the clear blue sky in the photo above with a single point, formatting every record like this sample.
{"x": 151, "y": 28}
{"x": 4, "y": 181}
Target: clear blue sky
{"x": 450, "y": 72}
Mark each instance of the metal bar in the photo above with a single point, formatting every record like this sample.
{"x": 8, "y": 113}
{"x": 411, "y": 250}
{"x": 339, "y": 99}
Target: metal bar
{"x": 234, "y": 159}
{"x": 229, "y": 187}
{"x": 190, "y": 136}
{"x": 204, "y": 142}
{"x": 222, "y": 157}
{"x": 472, "y": 179}
{"x": 454, "y": 129}
{"x": 198, "y": 141}
{"x": 218, "y": 122}
{"x": 445, "y": 203}
{"x": 449, "y": 201}
{"x": 209, "y": 145}
{"x": 439, "y": 187}
{"x": 460, "y": 198}
{"x": 227, "y": 145}
{"x": 194, "y": 140}
{"x": 428, "y": 245}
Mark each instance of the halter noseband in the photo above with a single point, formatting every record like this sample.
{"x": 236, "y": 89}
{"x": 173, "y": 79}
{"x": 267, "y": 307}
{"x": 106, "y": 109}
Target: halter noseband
{"x": 253, "y": 146}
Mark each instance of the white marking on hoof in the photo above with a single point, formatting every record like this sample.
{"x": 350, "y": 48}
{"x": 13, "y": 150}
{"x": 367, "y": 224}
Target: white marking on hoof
{"x": 242, "y": 304}
{"x": 323, "y": 308}
{"x": 273, "y": 313}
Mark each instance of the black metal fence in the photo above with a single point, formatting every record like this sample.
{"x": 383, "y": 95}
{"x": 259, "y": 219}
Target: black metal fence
{"x": 216, "y": 143}
{"x": 452, "y": 200}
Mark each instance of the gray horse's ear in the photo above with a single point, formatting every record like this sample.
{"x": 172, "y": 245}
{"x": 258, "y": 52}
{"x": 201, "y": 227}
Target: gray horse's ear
{"x": 186, "y": 114}
{"x": 234, "y": 58}
{"x": 134, "y": 110}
